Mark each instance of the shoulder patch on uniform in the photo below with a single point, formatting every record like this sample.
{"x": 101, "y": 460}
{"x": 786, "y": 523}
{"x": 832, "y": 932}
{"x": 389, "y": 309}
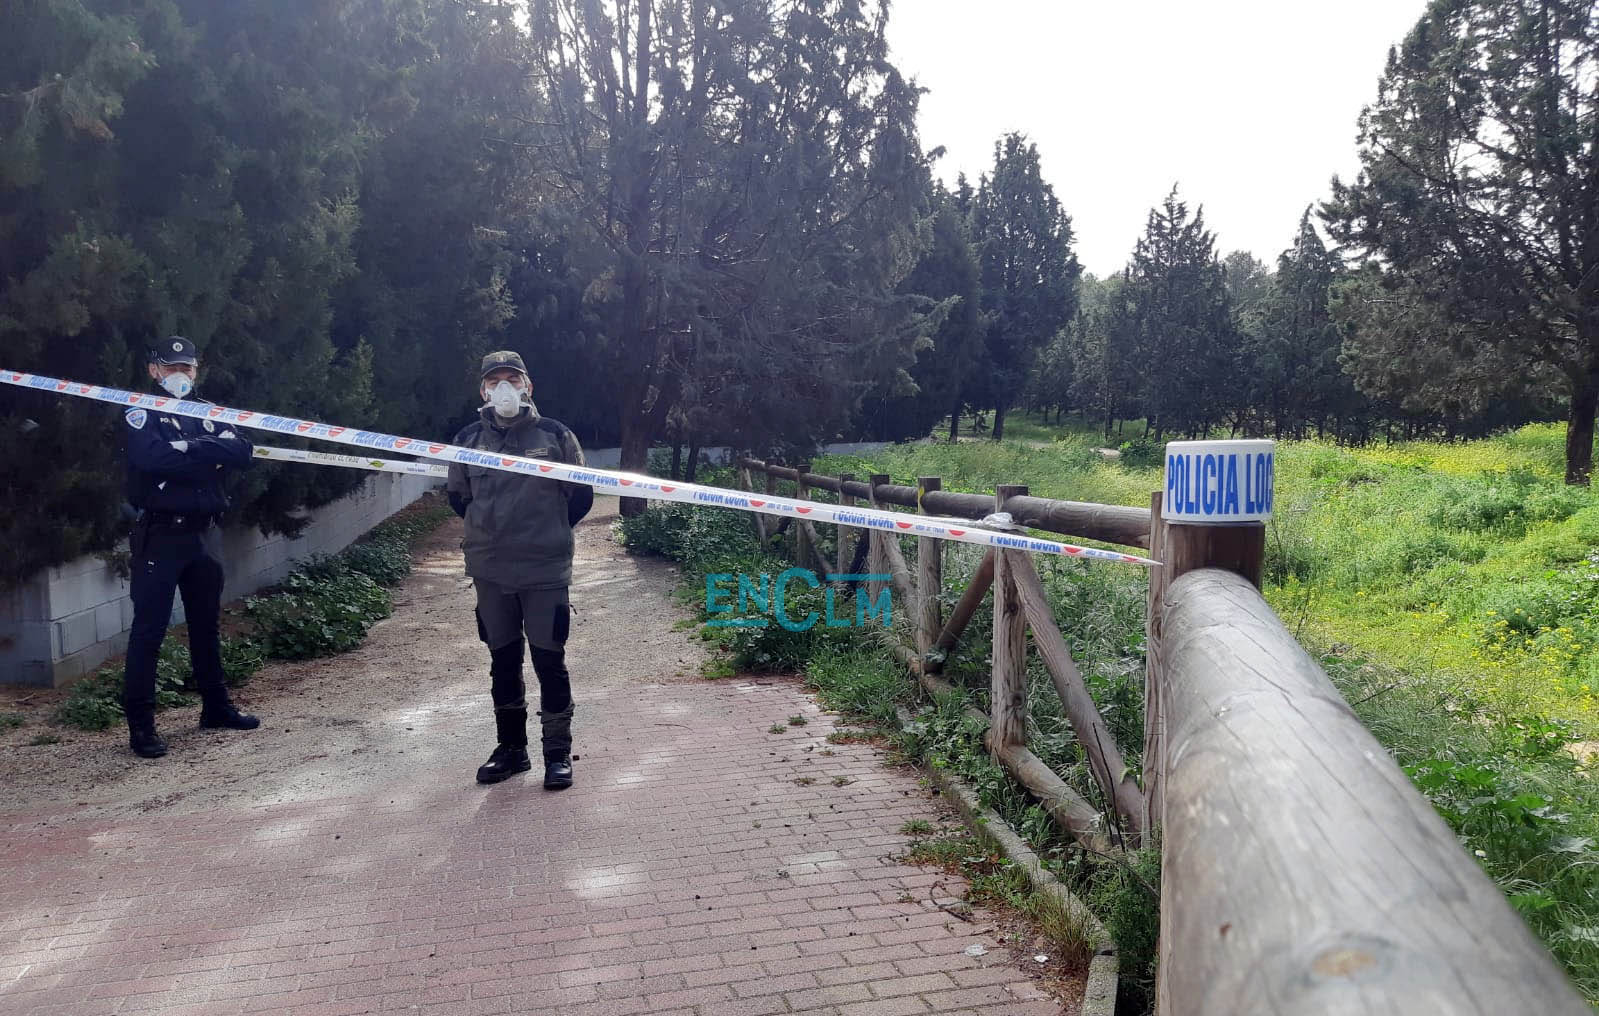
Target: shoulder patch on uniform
{"x": 136, "y": 418}
{"x": 210, "y": 428}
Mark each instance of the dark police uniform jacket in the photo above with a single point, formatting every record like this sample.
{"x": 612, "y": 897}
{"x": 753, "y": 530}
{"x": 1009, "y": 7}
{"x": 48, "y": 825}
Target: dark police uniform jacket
{"x": 163, "y": 481}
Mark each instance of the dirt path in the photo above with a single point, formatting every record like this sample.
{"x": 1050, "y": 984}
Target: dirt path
{"x": 407, "y": 702}
{"x": 341, "y": 860}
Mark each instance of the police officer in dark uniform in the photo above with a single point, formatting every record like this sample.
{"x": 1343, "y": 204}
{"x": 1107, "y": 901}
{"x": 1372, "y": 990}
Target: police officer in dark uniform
{"x": 175, "y": 469}
{"x": 518, "y": 548}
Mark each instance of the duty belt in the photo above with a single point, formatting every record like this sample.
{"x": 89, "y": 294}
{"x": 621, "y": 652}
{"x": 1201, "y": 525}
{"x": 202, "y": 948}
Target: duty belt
{"x": 191, "y": 523}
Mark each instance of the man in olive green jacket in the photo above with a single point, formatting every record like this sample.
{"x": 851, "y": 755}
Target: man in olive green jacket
{"x": 518, "y": 548}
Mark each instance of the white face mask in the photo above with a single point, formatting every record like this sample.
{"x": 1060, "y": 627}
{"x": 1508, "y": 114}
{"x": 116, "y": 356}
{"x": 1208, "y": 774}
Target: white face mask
{"x": 178, "y": 384}
{"x": 506, "y": 399}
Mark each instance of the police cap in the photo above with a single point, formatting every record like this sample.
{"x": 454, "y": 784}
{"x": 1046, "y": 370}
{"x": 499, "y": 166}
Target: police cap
{"x": 174, "y": 349}
{"x": 504, "y": 359}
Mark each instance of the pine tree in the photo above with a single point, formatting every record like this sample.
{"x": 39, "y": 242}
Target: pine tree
{"x": 1186, "y": 344}
{"x": 201, "y": 168}
{"x": 946, "y": 276}
{"x": 1292, "y": 346}
{"x": 1029, "y": 271}
{"x": 1102, "y": 340}
{"x": 748, "y": 181}
{"x": 1479, "y": 188}
{"x": 1407, "y": 354}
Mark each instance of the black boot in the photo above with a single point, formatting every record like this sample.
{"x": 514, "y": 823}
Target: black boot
{"x": 142, "y": 738}
{"x": 145, "y": 742}
{"x": 557, "y": 729}
{"x": 507, "y": 761}
{"x": 225, "y": 715}
{"x": 510, "y": 756}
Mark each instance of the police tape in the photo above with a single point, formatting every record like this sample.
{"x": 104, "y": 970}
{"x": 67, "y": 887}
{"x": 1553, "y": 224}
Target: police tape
{"x": 621, "y": 484}
{"x": 350, "y": 461}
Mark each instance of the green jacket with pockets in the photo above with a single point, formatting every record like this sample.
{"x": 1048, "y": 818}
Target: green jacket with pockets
{"x": 519, "y": 528}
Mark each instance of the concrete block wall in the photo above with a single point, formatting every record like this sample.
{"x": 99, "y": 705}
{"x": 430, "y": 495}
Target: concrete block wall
{"x": 66, "y": 621}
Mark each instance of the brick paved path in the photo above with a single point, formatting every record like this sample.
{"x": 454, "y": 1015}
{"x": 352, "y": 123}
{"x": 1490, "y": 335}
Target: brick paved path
{"x": 687, "y": 873}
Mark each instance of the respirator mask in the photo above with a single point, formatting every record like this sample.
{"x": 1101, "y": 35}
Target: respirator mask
{"x": 506, "y": 398}
{"x": 178, "y": 384}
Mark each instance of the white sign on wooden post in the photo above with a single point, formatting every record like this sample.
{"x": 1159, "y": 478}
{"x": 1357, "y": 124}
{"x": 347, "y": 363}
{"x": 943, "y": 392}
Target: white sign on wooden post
{"x": 1217, "y": 482}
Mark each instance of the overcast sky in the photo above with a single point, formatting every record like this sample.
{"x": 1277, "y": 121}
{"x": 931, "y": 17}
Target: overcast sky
{"x": 1248, "y": 105}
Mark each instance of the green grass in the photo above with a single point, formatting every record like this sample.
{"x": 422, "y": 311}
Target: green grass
{"x": 1521, "y": 801}
{"x": 1471, "y": 561}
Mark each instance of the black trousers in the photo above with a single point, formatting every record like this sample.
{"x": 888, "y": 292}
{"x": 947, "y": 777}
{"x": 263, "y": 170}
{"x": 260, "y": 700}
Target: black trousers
{"x": 504, "y": 617}
{"x": 167, "y": 560}
{"x": 508, "y": 690}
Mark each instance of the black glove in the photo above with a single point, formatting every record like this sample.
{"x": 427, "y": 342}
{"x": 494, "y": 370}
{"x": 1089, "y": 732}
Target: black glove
{"x": 579, "y": 501}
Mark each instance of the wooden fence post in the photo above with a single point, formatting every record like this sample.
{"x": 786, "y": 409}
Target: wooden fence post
{"x": 929, "y": 577}
{"x": 1180, "y": 549}
{"x": 1008, "y": 684}
{"x": 841, "y": 533}
{"x": 876, "y": 560}
{"x": 771, "y": 529}
{"x": 1154, "y": 712}
{"x": 748, "y": 480}
{"x": 1239, "y": 548}
{"x": 802, "y": 545}
{"x": 809, "y": 543}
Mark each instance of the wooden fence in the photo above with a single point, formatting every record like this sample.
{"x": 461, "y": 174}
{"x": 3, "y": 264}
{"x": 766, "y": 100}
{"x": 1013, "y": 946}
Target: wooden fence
{"x": 1302, "y": 873}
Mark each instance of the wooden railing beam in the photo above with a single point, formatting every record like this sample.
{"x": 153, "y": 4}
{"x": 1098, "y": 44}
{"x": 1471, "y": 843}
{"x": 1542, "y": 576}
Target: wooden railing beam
{"x": 1302, "y": 871}
{"x": 1104, "y": 757}
{"x": 961, "y": 616}
{"x": 1119, "y": 524}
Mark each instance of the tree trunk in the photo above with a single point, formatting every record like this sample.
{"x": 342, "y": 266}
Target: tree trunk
{"x": 955, "y": 423}
{"x": 635, "y": 456}
{"x": 999, "y": 421}
{"x": 640, "y": 422}
{"x": 693, "y": 458}
{"x": 677, "y": 457}
{"x": 1579, "y": 427}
